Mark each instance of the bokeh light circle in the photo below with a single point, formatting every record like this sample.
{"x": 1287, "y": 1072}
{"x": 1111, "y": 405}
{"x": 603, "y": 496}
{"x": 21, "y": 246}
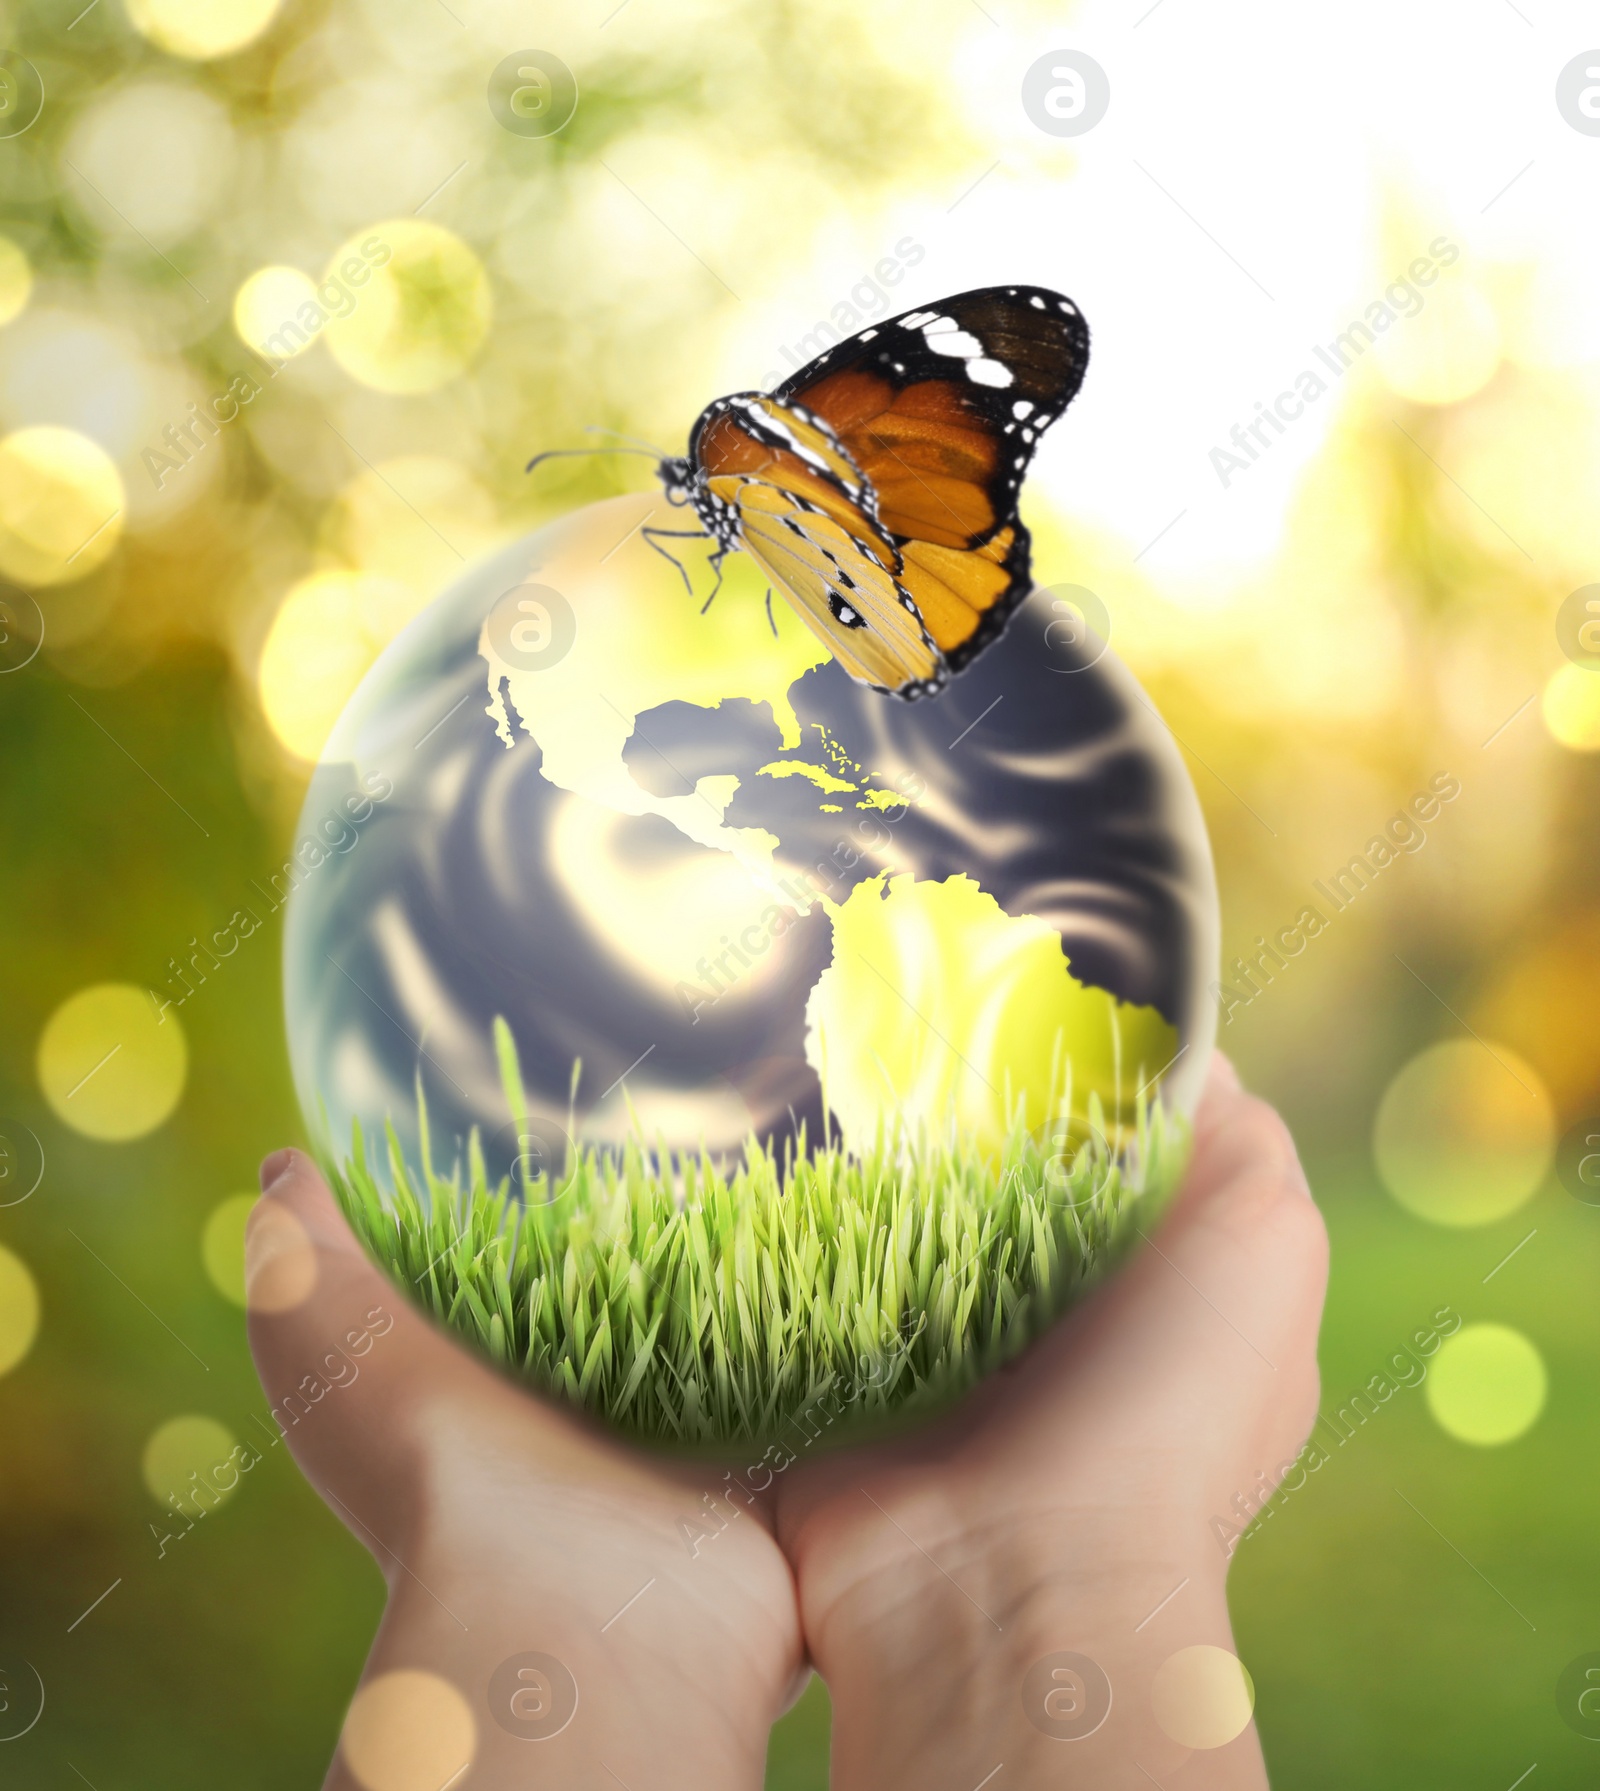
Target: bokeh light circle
{"x": 1487, "y": 1385}
{"x": 264, "y": 310}
{"x": 16, "y": 280}
{"x": 1465, "y": 1133}
{"x": 19, "y": 1310}
{"x": 1203, "y": 1697}
{"x": 408, "y": 1731}
{"x": 421, "y": 314}
{"x": 150, "y": 162}
{"x": 1571, "y": 708}
{"x": 110, "y": 1066}
{"x": 222, "y": 1245}
{"x": 328, "y": 630}
{"x": 61, "y": 503}
{"x": 202, "y": 29}
{"x": 181, "y": 1460}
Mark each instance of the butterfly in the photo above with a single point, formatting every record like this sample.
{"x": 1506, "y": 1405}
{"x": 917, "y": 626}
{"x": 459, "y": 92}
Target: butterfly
{"x": 878, "y": 486}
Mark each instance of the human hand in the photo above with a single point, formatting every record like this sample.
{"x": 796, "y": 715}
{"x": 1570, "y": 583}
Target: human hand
{"x": 505, "y": 1525}
{"x": 1068, "y": 1497}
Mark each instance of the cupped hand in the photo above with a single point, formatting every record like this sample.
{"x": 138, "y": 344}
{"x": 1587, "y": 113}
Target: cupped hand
{"x": 507, "y": 1527}
{"x": 1082, "y": 1502}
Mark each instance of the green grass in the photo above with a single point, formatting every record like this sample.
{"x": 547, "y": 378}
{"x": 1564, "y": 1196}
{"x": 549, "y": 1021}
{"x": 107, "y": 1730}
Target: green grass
{"x": 689, "y": 1303}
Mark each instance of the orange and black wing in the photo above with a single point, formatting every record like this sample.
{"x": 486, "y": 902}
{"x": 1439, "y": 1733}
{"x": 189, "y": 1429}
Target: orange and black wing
{"x": 941, "y": 410}
{"x": 803, "y": 511}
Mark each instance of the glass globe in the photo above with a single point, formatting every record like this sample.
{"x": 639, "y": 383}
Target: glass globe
{"x": 590, "y": 867}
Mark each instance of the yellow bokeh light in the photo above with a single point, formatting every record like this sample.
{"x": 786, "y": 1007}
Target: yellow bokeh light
{"x": 1465, "y": 1133}
{"x": 182, "y": 1460}
{"x": 154, "y": 162}
{"x": 417, "y": 520}
{"x": 1528, "y": 451}
{"x": 19, "y": 1310}
{"x": 1447, "y": 351}
{"x": 408, "y": 1731}
{"x": 265, "y": 308}
{"x": 1488, "y": 1385}
{"x": 1203, "y": 1697}
{"x": 1571, "y": 708}
{"x": 419, "y": 313}
{"x": 222, "y": 1245}
{"x": 61, "y": 503}
{"x": 16, "y": 280}
{"x": 327, "y": 632}
{"x": 202, "y": 29}
{"x": 110, "y": 1065}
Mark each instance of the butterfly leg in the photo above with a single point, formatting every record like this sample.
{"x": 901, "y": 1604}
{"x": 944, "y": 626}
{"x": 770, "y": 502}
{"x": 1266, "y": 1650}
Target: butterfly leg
{"x": 716, "y": 560}
{"x": 650, "y": 535}
{"x": 771, "y": 623}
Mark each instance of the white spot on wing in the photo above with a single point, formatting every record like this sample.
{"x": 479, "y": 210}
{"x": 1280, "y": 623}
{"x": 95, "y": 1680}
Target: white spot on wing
{"x": 985, "y": 372}
{"x": 1022, "y": 408}
{"x": 944, "y": 338}
{"x": 914, "y": 320}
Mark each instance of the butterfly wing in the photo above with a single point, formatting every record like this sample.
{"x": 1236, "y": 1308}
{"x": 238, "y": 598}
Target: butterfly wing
{"x": 941, "y": 410}
{"x": 802, "y": 510}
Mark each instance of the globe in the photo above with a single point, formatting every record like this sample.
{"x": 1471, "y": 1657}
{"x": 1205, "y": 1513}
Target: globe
{"x": 617, "y": 915}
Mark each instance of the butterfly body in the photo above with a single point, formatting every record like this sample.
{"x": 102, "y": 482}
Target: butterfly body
{"x": 878, "y": 487}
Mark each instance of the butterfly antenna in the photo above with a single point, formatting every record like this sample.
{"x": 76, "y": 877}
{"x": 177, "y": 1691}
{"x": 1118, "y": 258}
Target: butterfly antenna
{"x": 568, "y": 453}
{"x": 638, "y": 440}
{"x": 770, "y": 621}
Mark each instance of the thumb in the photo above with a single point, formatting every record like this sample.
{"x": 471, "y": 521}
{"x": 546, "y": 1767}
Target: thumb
{"x": 340, "y": 1355}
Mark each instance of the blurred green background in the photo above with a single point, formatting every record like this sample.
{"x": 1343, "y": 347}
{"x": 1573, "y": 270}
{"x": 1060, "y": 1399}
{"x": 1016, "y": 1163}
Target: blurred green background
{"x": 1367, "y": 602}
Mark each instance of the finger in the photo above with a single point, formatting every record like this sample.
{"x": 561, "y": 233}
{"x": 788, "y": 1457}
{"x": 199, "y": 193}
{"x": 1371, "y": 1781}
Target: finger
{"x": 1235, "y": 1130}
{"x": 304, "y": 1270}
{"x": 1246, "y": 1240}
{"x": 1244, "y": 1213}
{"x": 1221, "y": 1072}
{"x": 364, "y": 1387}
{"x": 1213, "y": 1321}
{"x": 339, "y": 1354}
